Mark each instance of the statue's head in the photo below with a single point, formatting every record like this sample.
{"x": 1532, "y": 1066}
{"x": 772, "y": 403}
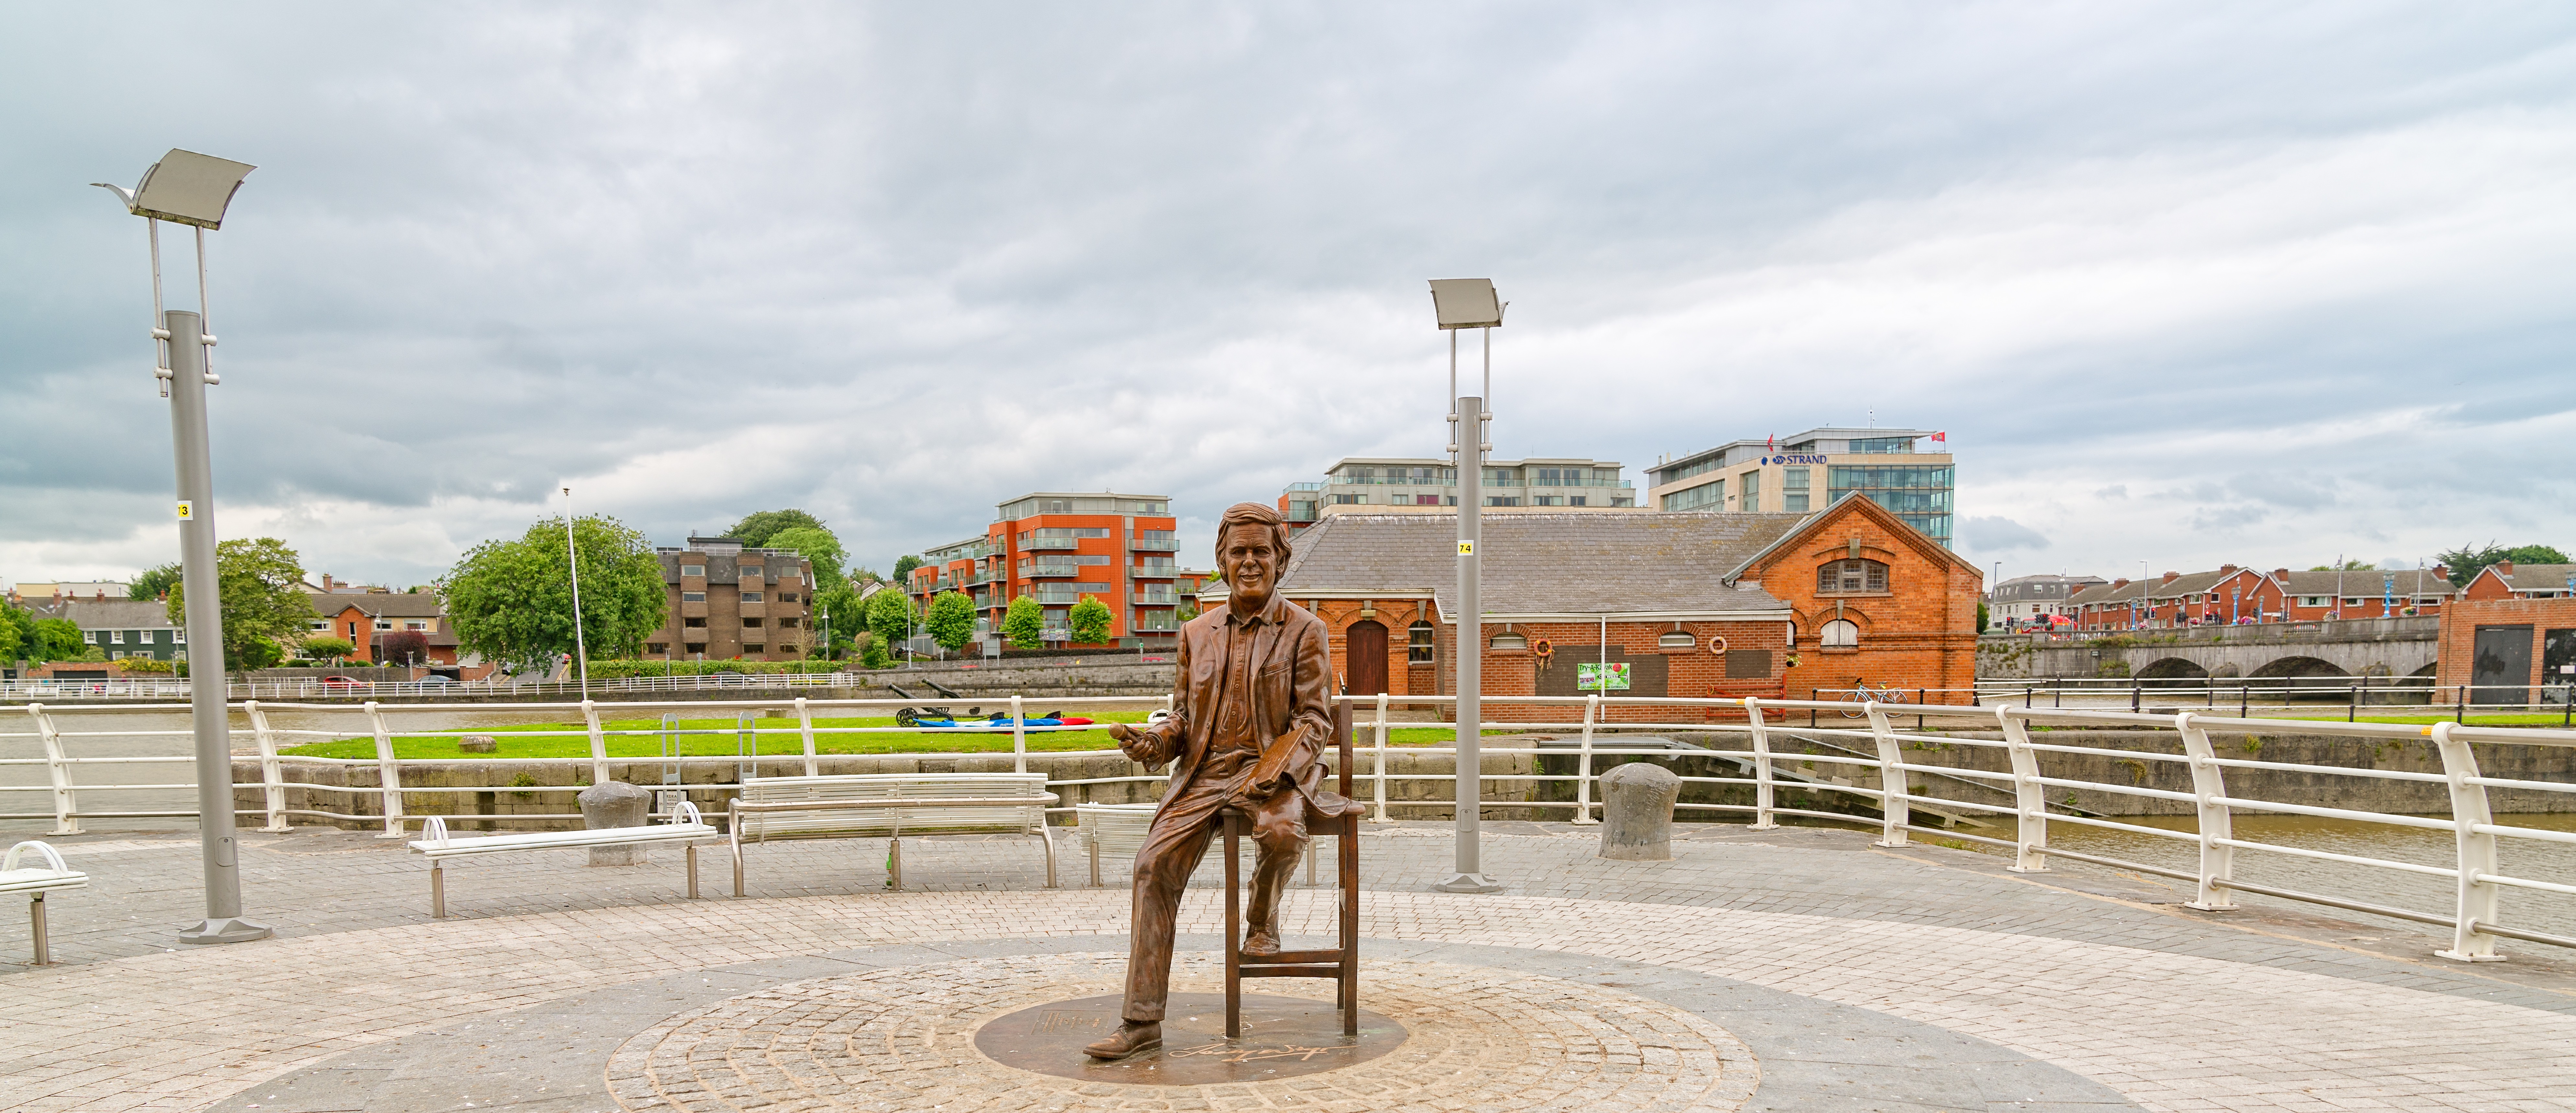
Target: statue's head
{"x": 1251, "y": 547}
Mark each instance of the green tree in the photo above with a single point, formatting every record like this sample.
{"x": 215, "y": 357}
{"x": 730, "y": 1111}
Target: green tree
{"x": 56, "y": 639}
{"x": 262, "y": 652}
{"x": 758, "y": 530}
{"x": 334, "y": 648}
{"x": 872, "y": 653}
{"x": 814, "y": 544}
{"x": 1024, "y": 624}
{"x": 1981, "y": 616}
{"x": 154, "y": 583}
{"x": 847, "y": 617}
{"x": 903, "y": 567}
{"x": 2466, "y": 562}
{"x": 257, "y": 580}
{"x": 13, "y": 637}
{"x": 862, "y": 575}
{"x": 890, "y": 616}
{"x": 1090, "y": 621}
{"x": 952, "y": 620}
{"x": 511, "y": 600}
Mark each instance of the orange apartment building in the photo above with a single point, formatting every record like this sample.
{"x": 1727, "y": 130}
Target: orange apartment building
{"x": 1695, "y": 605}
{"x": 1057, "y": 548}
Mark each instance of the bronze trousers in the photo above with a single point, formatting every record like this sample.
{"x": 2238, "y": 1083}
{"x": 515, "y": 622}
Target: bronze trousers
{"x": 1174, "y": 844}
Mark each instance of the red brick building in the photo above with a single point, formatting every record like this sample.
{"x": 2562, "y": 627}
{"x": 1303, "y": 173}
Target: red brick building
{"x": 1694, "y": 605}
{"x": 365, "y": 618}
{"x": 2509, "y": 650}
{"x": 2502, "y": 580}
{"x": 2233, "y": 596}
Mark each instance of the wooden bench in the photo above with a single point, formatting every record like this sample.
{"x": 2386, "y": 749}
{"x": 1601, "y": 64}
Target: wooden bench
{"x": 686, "y": 826}
{"x": 889, "y": 804}
{"x": 36, "y": 881}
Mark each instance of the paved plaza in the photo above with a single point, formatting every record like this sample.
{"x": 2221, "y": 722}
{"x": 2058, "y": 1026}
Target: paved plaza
{"x": 1792, "y": 969}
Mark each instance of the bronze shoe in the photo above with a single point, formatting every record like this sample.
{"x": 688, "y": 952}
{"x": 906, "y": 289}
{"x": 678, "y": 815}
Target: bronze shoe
{"x": 1132, "y": 1037}
{"x": 1261, "y": 942}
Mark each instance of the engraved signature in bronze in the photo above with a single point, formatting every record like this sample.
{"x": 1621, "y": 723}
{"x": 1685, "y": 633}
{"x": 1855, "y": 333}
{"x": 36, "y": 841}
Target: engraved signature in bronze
{"x": 1231, "y": 1054}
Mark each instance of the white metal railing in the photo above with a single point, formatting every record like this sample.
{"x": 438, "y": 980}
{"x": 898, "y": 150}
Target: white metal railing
{"x": 1867, "y": 740}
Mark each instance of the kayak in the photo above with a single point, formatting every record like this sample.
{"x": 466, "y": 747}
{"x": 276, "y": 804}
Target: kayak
{"x": 1001, "y": 723}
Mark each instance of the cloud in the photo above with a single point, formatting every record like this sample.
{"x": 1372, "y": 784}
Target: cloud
{"x": 2294, "y": 269}
{"x": 1999, "y": 535}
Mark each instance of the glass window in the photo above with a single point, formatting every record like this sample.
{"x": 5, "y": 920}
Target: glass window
{"x": 1547, "y": 500}
{"x": 384, "y": 624}
{"x": 1840, "y": 633}
{"x": 693, "y": 597}
{"x": 1502, "y": 500}
{"x": 1710, "y": 493}
{"x": 1837, "y": 577}
{"x": 1502, "y": 477}
{"x": 91, "y": 636}
{"x": 751, "y": 597}
{"x": 693, "y": 569}
{"x": 117, "y": 637}
{"x": 1752, "y": 487}
{"x": 1510, "y": 641}
{"x": 1349, "y": 500}
{"x": 1883, "y": 444}
{"x": 1418, "y": 643}
{"x": 1681, "y": 472}
{"x": 1676, "y": 639}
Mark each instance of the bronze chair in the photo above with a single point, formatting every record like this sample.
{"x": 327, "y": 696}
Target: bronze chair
{"x": 1341, "y": 963}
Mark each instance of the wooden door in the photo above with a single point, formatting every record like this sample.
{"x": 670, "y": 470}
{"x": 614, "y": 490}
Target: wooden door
{"x": 1367, "y": 642}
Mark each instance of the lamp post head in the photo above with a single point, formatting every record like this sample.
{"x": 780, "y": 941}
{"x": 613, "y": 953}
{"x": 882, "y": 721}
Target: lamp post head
{"x": 1466, "y": 303}
{"x": 184, "y": 188}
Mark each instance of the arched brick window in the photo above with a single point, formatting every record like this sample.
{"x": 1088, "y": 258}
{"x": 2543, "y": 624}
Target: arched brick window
{"x": 1841, "y": 633}
{"x": 1846, "y": 577}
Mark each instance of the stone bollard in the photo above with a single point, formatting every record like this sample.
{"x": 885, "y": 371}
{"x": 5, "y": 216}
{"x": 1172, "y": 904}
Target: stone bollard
{"x": 478, "y": 744}
{"x": 615, "y": 804}
{"x": 1637, "y": 812}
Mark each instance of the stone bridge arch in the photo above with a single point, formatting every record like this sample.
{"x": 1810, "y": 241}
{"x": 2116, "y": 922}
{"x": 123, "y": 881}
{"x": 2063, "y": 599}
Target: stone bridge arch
{"x": 2173, "y": 672}
{"x": 2303, "y": 675}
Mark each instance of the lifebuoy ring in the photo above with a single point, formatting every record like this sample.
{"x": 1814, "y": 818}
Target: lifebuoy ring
{"x": 1716, "y": 644}
{"x": 1542, "y": 647}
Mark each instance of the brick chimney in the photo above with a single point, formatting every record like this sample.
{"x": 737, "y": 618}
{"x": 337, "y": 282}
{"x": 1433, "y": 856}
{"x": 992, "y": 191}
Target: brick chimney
{"x": 2172, "y": 576}
{"x": 2442, "y": 570}
{"x": 2226, "y": 569}
{"x": 2281, "y": 574}
{"x": 2504, "y": 568}
{"x": 326, "y": 582}
{"x": 2119, "y": 583}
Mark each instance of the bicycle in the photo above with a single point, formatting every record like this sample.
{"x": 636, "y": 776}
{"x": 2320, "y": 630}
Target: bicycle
{"x": 1862, "y": 693}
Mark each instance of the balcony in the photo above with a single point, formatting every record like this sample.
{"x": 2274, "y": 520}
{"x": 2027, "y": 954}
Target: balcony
{"x": 1035, "y": 543}
{"x": 1156, "y": 568}
{"x": 1305, "y": 486}
{"x": 1044, "y": 568}
{"x": 1155, "y": 599}
{"x": 1042, "y": 595}
{"x": 1152, "y": 546}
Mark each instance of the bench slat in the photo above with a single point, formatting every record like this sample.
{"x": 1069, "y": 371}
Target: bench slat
{"x": 555, "y": 840}
{"x": 886, "y": 804}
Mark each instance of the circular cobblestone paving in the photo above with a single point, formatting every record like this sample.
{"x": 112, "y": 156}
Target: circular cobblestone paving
{"x": 904, "y": 1038}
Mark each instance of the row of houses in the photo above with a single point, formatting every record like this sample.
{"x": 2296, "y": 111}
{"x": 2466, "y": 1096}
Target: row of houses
{"x": 2233, "y": 596}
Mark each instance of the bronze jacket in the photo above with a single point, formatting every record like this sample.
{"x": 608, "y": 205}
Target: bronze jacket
{"x": 1292, "y": 685}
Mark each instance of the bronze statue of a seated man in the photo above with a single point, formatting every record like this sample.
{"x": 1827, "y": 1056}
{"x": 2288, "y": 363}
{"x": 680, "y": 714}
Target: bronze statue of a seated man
{"x": 1251, "y": 713}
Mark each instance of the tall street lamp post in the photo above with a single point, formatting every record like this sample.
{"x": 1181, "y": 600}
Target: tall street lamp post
{"x": 194, "y": 189}
{"x": 1463, "y": 303}
{"x": 572, "y": 553}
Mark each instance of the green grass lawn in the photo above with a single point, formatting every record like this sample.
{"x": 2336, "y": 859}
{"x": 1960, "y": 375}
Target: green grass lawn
{"x": 719, "y": 739}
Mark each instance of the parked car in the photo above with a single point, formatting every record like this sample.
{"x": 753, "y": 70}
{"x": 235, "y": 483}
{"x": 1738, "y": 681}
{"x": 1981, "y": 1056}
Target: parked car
{"x": 338, "y": 681}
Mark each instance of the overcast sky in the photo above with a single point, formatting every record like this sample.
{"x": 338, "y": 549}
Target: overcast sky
{"x": 2260, "y": 284}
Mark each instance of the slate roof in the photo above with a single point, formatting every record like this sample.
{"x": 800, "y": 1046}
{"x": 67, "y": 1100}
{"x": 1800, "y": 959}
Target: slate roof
{"x": 2106, "y": 594}
{"x": 114, "y": 614}
{"x": 390, "y": 604}
{"x": 1581, "y": 563}
{"x": 2535, "y": 577}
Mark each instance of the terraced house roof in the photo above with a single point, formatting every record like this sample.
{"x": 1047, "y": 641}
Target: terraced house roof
{"x": 1546, "y": 564}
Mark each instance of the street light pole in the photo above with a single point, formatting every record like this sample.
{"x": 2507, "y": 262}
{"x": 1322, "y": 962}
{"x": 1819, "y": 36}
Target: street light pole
{"x": 1469, "y": 303}
{"x": 580, "y": 646}
{"x": 194, "y": 189}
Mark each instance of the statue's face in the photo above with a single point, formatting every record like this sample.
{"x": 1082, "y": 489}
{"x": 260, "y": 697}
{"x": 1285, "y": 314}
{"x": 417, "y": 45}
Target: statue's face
{"x": 1250, "y": 560}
